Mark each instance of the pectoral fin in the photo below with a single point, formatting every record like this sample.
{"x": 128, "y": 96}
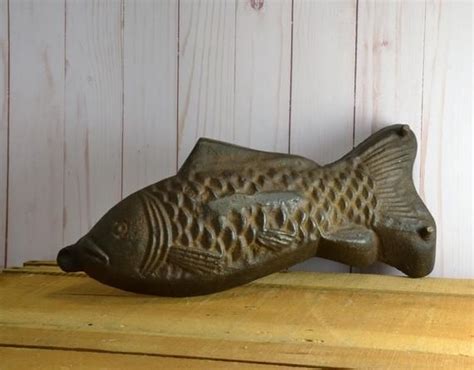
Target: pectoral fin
{"x": 195, "y": 260}
{"x": 275, "y": 239}
{"x": 356, "y": 246}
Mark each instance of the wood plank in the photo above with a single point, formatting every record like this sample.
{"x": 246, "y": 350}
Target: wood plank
{"x": 262, "y": 74}
{"x": 323, "y": 79}
{"x": 93, "y": 113}
{"x": 150, "y": 92}
{"x": 304, "y": 279}
{"x": 45, "y": 270}
{"x": 234, "y": 73}
{"x": 35, "y": 209}
{"x": 41, "y": 358}
{"x": 389, "y": 73}
{"x": 206, "y": 72}
{"x": 389, "y": 67}
{"x": 40, "y": 263}
{"x": 446, "y": 148}
{"x": 4, "y": 103}
{"x": 323, "y": 86}
{"x": 425, "y": 329}
{"x": 294, "y": 354}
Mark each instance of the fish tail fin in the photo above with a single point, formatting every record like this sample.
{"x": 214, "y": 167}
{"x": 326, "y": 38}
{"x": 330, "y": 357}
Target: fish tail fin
{"x": 404, "y": 228}
{"x": 387, "y": 157}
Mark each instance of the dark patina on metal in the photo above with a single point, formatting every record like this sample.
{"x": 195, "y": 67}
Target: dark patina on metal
{"x": 232, "y": 215}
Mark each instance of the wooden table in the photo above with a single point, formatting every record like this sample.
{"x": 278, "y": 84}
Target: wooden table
{"x": 308, "y": 320}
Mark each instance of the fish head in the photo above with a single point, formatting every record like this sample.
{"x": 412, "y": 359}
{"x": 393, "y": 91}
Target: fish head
{"x": 408, "y": 244}
{"x": 112, "y": 250}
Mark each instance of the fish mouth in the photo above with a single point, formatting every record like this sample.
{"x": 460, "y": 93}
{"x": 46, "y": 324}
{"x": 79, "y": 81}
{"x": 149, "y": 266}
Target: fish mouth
{"x": 67, "y": 260}
{"x": 76, "y": 257}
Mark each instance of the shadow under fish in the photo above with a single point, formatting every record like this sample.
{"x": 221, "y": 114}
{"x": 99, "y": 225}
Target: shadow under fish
{"x": 232, "y": 215}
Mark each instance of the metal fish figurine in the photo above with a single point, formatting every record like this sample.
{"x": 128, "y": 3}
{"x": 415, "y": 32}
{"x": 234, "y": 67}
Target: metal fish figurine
{"x": 232, "y": 215}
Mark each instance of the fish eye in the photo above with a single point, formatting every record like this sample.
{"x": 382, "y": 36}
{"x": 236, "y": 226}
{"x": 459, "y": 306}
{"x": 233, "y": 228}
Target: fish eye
{"x": 425, "y": 232}
{"x": 120, "y": 229}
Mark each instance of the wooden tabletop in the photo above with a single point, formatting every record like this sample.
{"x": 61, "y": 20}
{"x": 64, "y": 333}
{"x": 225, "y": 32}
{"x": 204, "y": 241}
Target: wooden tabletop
{"x": 298, "y": 319}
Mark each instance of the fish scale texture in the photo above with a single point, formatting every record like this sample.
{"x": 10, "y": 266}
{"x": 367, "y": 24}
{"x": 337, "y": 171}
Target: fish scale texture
{"x": 333, "y": 197}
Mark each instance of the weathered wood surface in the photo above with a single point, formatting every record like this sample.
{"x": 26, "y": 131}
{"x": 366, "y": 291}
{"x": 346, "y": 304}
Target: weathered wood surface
{"x": 4, "y": 104}
{"x": 150, "y": 60}
{"x": 446, "y": 148}
{"x": 36, "y": 129}
{"x": 262, "y": 74}
{"x": 47, "y": 359}
{"x": 206, "y": 84}
{"x": 290, "y": 319}
{"x": 93, "y": 113}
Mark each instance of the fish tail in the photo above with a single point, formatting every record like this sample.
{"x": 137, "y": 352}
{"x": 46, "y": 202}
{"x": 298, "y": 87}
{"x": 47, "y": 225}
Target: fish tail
{"x": 387, "y": 158}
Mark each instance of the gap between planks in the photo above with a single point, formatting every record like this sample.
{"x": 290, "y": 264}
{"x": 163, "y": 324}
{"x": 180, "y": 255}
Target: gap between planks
{"x": 190, "y": 362}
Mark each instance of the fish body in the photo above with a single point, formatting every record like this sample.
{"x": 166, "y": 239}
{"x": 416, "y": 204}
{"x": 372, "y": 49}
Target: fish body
{"x": 232, "y": 215}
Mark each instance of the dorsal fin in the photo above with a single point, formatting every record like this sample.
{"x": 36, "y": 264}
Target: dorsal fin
{"x": 208, "y": 155}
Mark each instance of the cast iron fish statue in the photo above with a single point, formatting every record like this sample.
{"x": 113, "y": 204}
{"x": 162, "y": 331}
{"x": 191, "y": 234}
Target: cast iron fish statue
{"x": 232, "y": 215}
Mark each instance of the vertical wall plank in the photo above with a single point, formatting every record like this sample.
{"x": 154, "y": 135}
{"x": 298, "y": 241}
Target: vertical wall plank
{"x": 93, "y": 112}
{"x": 150, "y": 92}
{"x": 323, "y": 85}
{"x": 389, "y": 67}
{"x": 36, "y": 130}
{"x": 234, "y": 73}
{"x": 4, "y": 73}
{"x": 323, "y": 79}
{"x": 206, "y": 72}
{"x": 389, "y": 72}
{"x": 446, "y": 164}
{"x": 262, "y": 74}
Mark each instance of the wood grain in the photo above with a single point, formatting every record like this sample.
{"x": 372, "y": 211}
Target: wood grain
{"x": 150, "y": 92}
{"x": 35, "y": 209}
{"x": 389, "y": 73}
{"x": 234, "y": 73}
{"x": 262, "y": 74}
{"x": 389, "y": 67}
{"x": 323, "y": 86}
{"x": 446, "y": 151}
{"x": 93, "y": 113}
{"x": 206, "y": 72}
{"x": 340, "y": 320}
{"x": 35, "y": 358}
{"x": 323, "y": 79}
{"x": 4, "y": 75}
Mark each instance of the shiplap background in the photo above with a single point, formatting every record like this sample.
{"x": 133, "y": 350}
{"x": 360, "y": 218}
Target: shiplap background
{"x": 100, "y": 98}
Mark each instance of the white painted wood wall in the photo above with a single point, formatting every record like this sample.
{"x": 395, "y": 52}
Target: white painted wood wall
{"x": 100, "y": 98}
